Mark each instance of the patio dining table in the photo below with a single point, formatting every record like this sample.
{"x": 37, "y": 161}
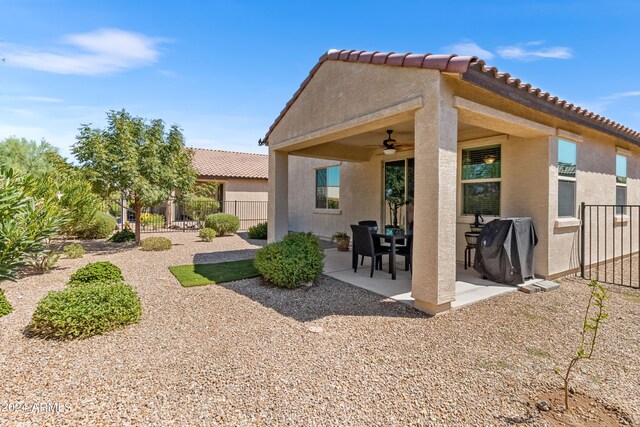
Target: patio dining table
{"x": 392, "y": 235}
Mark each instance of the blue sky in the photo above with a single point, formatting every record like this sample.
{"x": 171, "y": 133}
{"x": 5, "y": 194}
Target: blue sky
{"x": 224, "y": 70}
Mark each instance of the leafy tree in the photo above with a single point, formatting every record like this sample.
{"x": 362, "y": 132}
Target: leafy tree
{"x": 201, "y": 201}
{"x": 394, "y": 191}
{"x": 26, "y": 156}
{"x": 29, "y": 218}
{"x": 137, "y": 158}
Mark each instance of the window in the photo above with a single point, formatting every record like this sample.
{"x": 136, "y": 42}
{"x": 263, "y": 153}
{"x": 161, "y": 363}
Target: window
{"x": 328, "y": 188}
{"x": 621, "y": 183}
{"x": 481, "y": 180}
{"x": 566, "y": 179}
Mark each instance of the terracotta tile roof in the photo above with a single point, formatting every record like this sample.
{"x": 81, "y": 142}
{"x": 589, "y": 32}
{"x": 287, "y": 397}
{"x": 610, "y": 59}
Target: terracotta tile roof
{"x": 476, "y": 72}
{"x": 230, "y": 164}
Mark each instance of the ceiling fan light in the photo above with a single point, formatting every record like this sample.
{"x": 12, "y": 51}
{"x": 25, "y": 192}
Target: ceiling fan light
{"x": 389, "y": 151}
{"x": 489, "y": 159}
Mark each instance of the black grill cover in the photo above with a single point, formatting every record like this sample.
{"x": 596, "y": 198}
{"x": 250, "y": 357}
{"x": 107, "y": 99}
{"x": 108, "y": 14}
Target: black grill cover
{"x": 504, "y": 252}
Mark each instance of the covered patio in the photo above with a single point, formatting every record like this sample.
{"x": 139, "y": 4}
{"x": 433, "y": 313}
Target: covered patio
{"x": 470, "y": 287}
{"x": 339, "y": 119}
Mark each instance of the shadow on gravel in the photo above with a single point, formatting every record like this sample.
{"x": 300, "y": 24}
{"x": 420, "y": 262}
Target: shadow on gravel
{"x": 102, "y": 247}
{"x": 258, "y": 242}
{"x": 214, "y": 257}
{"x": 327, "y": 297}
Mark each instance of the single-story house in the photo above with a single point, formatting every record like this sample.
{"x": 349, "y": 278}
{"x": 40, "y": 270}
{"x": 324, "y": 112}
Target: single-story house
{"x": 241, "y": 176}
{"x": 468, "y": 139}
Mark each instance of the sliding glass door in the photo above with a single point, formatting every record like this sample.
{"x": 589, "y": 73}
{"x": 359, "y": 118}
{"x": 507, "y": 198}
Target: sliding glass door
{"x": 398, "y": 193}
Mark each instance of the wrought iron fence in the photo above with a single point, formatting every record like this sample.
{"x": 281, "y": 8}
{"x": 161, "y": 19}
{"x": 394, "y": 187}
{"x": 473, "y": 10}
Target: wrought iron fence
{"x": 609, "y": 244}
{"x": 187, "y": 216}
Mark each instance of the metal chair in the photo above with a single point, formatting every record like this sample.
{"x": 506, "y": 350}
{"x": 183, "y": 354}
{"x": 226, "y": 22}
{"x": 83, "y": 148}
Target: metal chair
{"x": 363, "y": 245}
{"x": 472, "y": 241}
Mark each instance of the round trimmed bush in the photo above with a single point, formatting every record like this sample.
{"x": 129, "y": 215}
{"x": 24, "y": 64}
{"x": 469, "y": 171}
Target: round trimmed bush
{"x": 102, "y": 271}
{"x": 5, "y": 307}
{"x": 295, "y": 260}
{"x": 208, "y": 234}
{"x": 258, "y": 231}
{"x": 156, "y": 244}
{"x": 123, "y": 236}
{"x": 74, "y": 250}
{"x": 84, "y": 311}
{"x": 100, "y": 227}
{"x": 222, "y": 223}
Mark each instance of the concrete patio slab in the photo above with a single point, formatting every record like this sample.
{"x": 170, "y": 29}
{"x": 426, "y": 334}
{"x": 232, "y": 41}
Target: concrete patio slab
{"x": 470, "y": 287}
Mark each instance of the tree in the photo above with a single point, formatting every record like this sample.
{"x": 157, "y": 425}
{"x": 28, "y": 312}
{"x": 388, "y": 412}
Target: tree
{"x": 26, "y": 156}
{"x": 29, "y": 218}
{"x": 137, "y": 158}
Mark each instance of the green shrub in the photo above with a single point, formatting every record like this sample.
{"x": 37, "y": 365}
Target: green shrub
{"x": 155, "y": 244}
{"x": 222, "y": 223}
{"x": 151, "y": 220}
{"x": 45, "y": 260}
{"x": 207, "y": 234}
{"x": 258, "y": 231}
{"x": 5, "y": 307}
{"x": 295, "y": 260}
{"x": 84, "y": 311}
{"x": 123, "y": 236}
{"x": 74, "y": 250}
{"x": 102, "y": 271}
{"x": 100, "y": 227}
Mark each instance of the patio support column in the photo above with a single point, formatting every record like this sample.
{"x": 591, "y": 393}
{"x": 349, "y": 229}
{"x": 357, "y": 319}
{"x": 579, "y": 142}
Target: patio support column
{"x": 278, "y": 212}
{"x": 433, "y": 283}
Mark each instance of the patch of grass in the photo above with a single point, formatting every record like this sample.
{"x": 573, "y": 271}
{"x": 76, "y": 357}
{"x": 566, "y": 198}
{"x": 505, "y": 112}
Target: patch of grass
{"x": 536, "y": 352}
{"x": 206, "y": 274}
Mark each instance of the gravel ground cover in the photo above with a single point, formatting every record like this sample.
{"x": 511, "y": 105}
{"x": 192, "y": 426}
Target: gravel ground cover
{"x": 243, "y": 353}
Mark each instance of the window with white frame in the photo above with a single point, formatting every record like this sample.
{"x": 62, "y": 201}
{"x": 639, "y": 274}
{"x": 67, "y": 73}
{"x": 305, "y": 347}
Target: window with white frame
{"x": 621, "y": 183}
{"x": 566, "y": 179}
{"x": 480, "y": 179}
{"x": 328, "y": 188}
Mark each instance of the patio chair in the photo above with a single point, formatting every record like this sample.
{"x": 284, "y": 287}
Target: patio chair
{"x": 373, "y": 228}
{"x": 472, "y": 241}
{"x": 363, "y": 245}
{"x": 407, "y": 250}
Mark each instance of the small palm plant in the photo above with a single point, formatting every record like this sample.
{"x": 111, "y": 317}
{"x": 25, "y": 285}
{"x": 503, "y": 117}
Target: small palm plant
{"x": 590, "y": 327}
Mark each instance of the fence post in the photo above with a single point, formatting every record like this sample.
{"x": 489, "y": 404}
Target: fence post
{"x": 582, "y": 237}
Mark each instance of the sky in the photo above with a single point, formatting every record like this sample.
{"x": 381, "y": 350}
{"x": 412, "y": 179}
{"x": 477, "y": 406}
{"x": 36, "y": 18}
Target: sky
{"x": 223, "y": 70}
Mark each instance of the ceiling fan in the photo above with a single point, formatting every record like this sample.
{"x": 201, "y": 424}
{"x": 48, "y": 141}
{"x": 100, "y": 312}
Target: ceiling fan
{"x": 389, "y": 146}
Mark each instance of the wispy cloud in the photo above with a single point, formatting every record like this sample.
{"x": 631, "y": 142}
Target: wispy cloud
{"x": 468, "y": 47}
{"x": 532, "y": 51}
{"x": 621, "y": 95}
{"x": 39, "y": 99}
{"x": 104, "y": 51}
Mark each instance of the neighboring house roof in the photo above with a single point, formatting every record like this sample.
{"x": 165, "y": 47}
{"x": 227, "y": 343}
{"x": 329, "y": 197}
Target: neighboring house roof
{"x": 474, "y": 71}
{"x": 230, "y": 164}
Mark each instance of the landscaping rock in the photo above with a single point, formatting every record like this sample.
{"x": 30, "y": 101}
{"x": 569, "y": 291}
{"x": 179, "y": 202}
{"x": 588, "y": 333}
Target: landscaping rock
{"x": 543, "y": 405}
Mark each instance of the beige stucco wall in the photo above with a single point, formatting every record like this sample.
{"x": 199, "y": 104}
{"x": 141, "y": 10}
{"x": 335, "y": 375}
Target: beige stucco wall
{"x": 347, "y": 91}
{"x": 243, "y": 189}
{"x": 360, "y": 197}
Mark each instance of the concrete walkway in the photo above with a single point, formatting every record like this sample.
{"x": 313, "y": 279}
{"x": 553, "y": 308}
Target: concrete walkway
{"x": 470, "y": 287}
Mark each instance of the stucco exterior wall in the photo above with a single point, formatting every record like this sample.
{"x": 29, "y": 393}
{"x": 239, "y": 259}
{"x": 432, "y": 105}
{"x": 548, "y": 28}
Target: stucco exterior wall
{"x": 360, "y": 196}
{"x": 348, "y": 92}
{"x": 250, "y": 190}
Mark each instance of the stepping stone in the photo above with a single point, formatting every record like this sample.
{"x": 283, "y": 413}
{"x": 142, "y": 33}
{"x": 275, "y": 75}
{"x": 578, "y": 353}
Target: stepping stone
{"x": 529, "y": 289}
{"x": 546, "y": 285}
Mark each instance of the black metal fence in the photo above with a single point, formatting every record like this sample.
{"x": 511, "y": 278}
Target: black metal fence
{"x": 609, "y": 244}
{"x": 188, "y": 216}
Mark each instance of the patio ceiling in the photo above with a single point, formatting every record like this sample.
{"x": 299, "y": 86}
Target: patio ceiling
{"x": 364, "y": 146}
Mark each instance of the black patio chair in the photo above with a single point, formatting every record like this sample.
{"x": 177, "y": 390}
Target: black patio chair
{"x": 407, "y": 250}
{"x": 373, "y": 228}
{"x": 363, "y": 245}
{"x": 472, "y": 242}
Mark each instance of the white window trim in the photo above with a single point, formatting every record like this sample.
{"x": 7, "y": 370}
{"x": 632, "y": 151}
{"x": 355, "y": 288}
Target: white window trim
{"x": 327, "y": 210}
{"x": 483, "y": 142}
